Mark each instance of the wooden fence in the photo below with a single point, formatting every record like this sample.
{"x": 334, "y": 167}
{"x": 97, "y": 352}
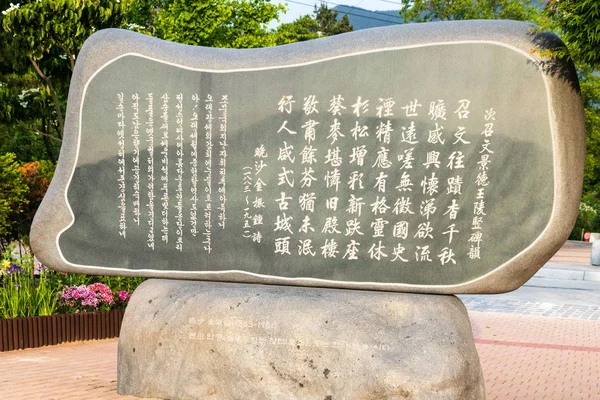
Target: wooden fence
{"x": 31, "y": 332}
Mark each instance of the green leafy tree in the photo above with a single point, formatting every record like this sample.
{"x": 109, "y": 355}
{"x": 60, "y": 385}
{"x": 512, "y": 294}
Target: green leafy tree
{"x": 302, "y": 29}
{"x": 13, "y": 199}
{"x": 329, "y": 24}
{"x": 48, "y": 34}
{"x": 218, "y": 23}
{"x": 578, "y": 22}
{"x": 450, "y": 10}
{"x": 142, "y": 16}
{"x": 589, "y": 80}
{"x": 324, "y": 22}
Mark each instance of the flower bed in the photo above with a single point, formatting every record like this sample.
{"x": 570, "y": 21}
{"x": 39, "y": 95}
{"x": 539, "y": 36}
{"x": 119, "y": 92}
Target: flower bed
{"x": 32, "y": 332}
{"x": 40, "y": 307}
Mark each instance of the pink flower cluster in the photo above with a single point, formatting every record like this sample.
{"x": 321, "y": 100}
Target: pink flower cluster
{"x": 90, "y": 298}
{"x": 123, "y": 295}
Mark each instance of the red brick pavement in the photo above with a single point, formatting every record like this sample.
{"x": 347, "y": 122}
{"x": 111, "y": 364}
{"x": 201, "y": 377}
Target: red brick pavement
{"x": 573, "y": 252}
{"x": 530, "y": 357}
{"x": 523, "y": 357}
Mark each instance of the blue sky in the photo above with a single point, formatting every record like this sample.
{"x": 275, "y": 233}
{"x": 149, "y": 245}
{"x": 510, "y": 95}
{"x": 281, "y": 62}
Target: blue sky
{"x": 295, "y": 10}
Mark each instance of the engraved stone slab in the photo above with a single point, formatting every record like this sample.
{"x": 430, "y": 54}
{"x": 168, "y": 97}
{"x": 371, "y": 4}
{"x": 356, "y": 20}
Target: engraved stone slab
{"x": 199, "y": 340}
{"x": 443, "y": 158}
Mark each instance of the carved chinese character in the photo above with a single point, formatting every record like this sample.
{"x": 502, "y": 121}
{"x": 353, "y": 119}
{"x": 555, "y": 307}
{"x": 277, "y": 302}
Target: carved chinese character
{"x": 310, "y": 105}
{"x": 335, "y": 131}
{"x": 450, "y": 232}
{"x": 283, "y": 202}
{"x": 306, "y": 226}
{"x": 409, "y": 134}
{"x": 355, "y": 205}
{"x": 411, "y": 108}
{"x": 463, "y": 109}
{"x": 435, "y": 135}
{"x": 446, "y": 256}
{"x": 358, "y": 155}
{"x": 384, "y": 109}
{"x": 335, "y": 105}
{"x": 400, "y": 230}
{"x": 437, "y": 110}
{"x": 379, "y": 206}
{"x": 455, "y": 160}
{"x": 329, "y": 249}
{"x": 305, "y": 248}
{"x": 283, "y": 223}
{"x": 360, "y": 107}
{"x": 384, "y": 132}
{"x": 427, "y": 208}
{"x": 285, "y": 153}
{"x": 330, "y": 225}
{"x": 405, "y": 183}
{"x": 382, "y": 160}
{"x": 454, "y": 185}
{"x": 430, "y": 185}
{"x": 359, "y": 131}
{"x": 285, "y": 104}
{"x": 397, "y": 253}
{"x": 459, "y": 136}
{"x": 355, "y": 180}
{"x": 308, "y": 155}
{"x": 310, "y": 132}
{"x": 422, "y": 253}
{"x": 284, "y": 177}
{"x": 352, "y": 250}
{"x": 380, "y": 182}
{"x": 376, "y": 251}
{"x": 352, "y": 227}
{"x": 282, "y": 245}
{"x": 307, "y": 201}
{"x": 284, "y": 127}
{"x": 402, "y": 206}
{"x": 424, "y": 231}
{"x": 307, "y": 177}
{"x": 333, "y": 157}
{"x": 378, "y": 226}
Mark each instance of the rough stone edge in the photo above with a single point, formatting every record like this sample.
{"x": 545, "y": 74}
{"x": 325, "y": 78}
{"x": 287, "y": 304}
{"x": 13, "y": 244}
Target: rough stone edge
{"x": 567, "y": 121}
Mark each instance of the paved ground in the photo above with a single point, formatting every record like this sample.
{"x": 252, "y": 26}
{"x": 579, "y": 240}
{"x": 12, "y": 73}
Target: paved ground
{"x": 574, "y": 252}
{"x": 541, "y": 341}
{"x": 523, "y": 357}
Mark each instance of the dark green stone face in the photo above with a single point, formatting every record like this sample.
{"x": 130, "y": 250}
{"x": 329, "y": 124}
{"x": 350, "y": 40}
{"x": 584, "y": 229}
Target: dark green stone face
{"x": 428, "y": 165}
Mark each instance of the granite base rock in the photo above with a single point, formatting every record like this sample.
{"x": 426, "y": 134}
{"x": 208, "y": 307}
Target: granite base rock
{"x": 206, "y": 340}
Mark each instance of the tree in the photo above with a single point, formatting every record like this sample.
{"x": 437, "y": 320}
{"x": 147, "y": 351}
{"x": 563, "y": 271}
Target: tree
{"x": 578, "y": 22}
{"x": 451, "y": 10}
{"x": 329, "y": 24}
{"x": 49, "y": 34}
{"x": 37, "y": 176}
{"x": 589, "y": 80}
{"x": 218, "y": 23}
{"x": 302, "y": 29}
{"x": 13, "y": 199}
{"x": 324, "y": 23}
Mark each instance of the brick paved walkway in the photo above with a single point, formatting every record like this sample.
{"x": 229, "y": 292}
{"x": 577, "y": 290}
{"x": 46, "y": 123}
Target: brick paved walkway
{"x": 523, "y": 357}
{"x": 573, "y": 252}
{"x": 534, "y": 357}
{"x": 571, "y": 311}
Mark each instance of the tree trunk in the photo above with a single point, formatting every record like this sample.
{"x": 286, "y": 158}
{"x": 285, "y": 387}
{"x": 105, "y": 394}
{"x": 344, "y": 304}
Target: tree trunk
{"x": 59, "y": 116}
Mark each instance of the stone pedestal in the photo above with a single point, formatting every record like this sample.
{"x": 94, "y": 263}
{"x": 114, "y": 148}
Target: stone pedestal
{"x": 205, "y": 340}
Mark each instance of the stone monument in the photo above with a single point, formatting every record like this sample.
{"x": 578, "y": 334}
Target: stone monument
{"x": 437, "y": 158}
